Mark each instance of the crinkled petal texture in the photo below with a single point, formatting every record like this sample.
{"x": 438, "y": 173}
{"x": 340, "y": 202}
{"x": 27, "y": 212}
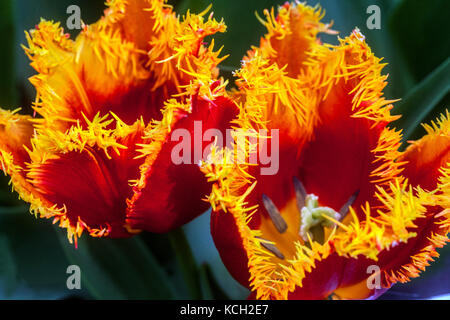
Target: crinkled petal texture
{"x": 119, "y": 88}
{"x": 372, "y": 206}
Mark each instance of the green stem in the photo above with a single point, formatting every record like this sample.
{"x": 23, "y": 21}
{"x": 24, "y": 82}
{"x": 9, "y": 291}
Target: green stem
{"x": 186, "y": 262}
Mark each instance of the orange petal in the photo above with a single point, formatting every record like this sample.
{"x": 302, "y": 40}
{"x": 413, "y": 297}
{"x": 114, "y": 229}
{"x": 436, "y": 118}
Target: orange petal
{"x": 270, "y": 91}
{"x": 16, "y": 132}
{"x": 174, "y": 46}
{"x": 292, "y": 34}
{"x": 106, "y": 69}
{"x": 359, "y": 291}
{"x": 427, "y": 156}
{"x": 99, "y": 72}
{"x": 130, "y": 17}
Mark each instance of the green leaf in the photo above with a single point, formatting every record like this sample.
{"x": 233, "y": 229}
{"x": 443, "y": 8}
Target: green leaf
{"x": 194, "y": 6}
{"x": 8, "y": 94}
{"x": 420, "y": 28}
{"x": 210, "y": 288}
{"x": 39, "y": 261}
{"x": 8, "y": 270}
{"x": 423, "y": 100}
{"x": 118, "y": 268}
{"x": 13, "y": 210}
{"x": 206, "y": 289}
{"x": 186, "y": 262}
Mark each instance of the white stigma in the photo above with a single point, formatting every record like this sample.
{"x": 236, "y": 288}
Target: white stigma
{"x": 313, "y": 215}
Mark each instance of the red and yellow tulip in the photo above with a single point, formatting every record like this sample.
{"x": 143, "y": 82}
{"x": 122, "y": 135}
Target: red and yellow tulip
{"x": 96, "y": 154}
{"x": 345, "y": 197}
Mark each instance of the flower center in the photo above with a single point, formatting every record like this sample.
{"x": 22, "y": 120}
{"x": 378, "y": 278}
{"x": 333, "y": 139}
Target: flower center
{"x": 311, "y": 218}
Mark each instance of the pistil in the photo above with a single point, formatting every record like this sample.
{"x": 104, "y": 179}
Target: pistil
{"x": 313, "y": 220}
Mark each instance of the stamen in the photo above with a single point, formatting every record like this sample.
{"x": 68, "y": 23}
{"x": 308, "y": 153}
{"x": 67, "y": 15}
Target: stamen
{"x": 300, "y": 193}
{"x": 275, "y": 215}
{"x": 272, "y": 248}
{"x": 346, "y": 207}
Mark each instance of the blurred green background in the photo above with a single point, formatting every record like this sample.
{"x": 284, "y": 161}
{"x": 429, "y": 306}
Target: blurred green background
{"x": 34, "y": 255}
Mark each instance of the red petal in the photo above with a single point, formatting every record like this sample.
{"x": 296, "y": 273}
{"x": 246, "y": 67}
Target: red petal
{"x": 340, "y": 159}
{"x": 174, "y": 194}
{"x": 92, "y": 187}
{"x": 229, "y": 245}
{"x": 321, "y": 281}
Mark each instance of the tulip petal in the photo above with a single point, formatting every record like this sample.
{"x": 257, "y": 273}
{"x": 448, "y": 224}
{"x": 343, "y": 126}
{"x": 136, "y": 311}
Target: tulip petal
{"x": 427, "y": 156}
{"x": 230, "y": 246}
{"x": 85, "y": 174}
{"x": 99, "y": 72}
{"x": 169, "y": 194}
{"x": 292, "y": 34}
{"x": 268, "y": 79}
{"x": 129, "y": 17}
{"x": 15, "y": 135}
{"x": 352, "y": 128}
{"x": 322, "y": 281}
{"x": 428, "y": 167}
{"x": 16, "y": 132}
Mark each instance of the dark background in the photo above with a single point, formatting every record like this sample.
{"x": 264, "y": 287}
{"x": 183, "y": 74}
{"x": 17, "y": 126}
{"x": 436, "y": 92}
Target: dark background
{"x": 34, "y": 255}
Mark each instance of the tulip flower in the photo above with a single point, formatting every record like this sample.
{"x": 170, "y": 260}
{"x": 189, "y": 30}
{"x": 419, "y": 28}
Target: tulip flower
{"x": 348, "y": 214}
{"x": 95, "y": 156}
